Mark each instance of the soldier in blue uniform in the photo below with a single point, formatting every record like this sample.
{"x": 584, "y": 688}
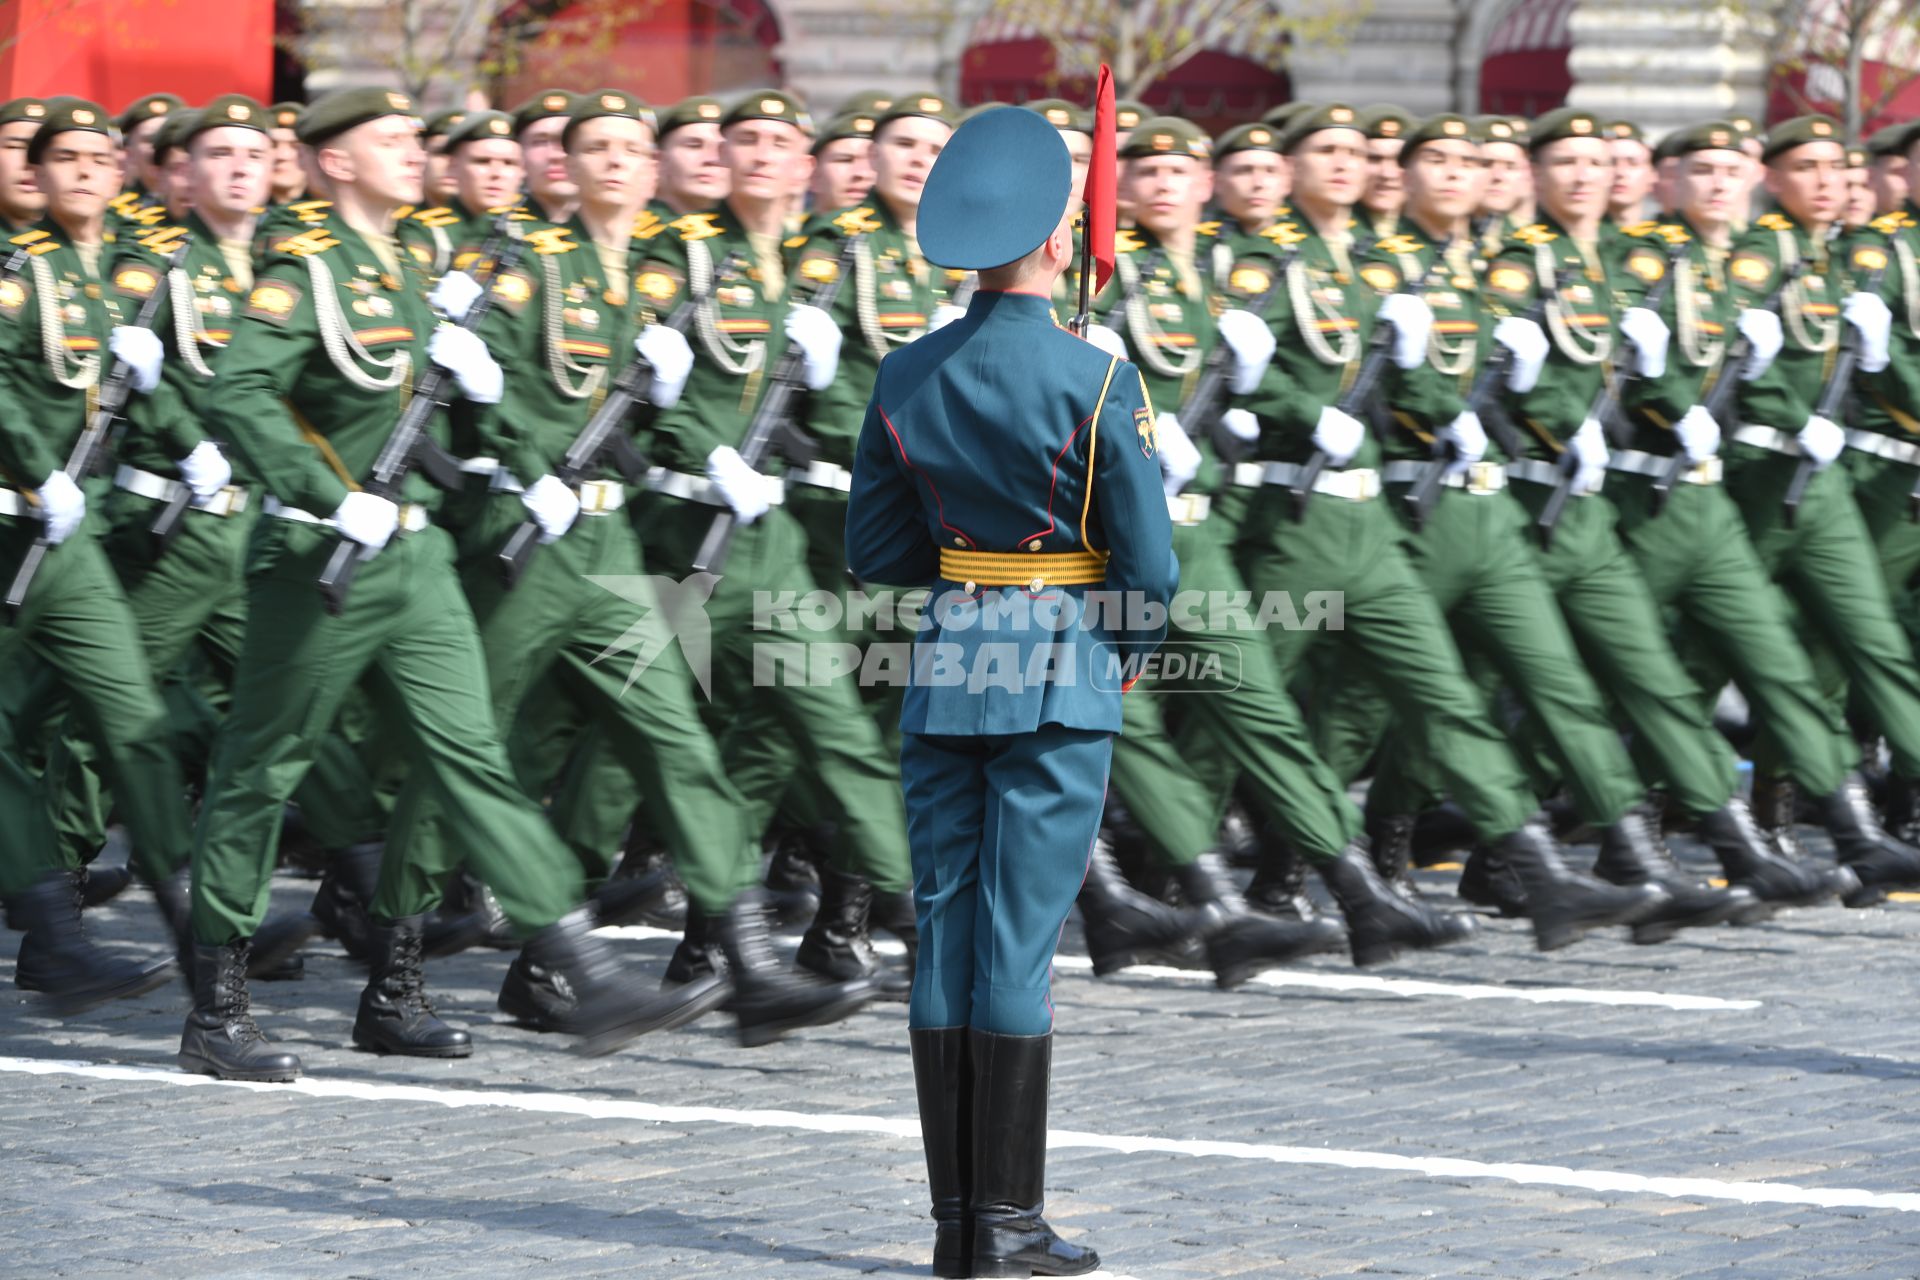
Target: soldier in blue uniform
{"x": 1009, "y": 467}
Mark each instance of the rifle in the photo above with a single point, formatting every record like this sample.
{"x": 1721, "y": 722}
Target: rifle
{"x": 1833, "y": 396}
{"x": 410, "y": 446}
{"x": 1354, "y": 402}
{"x": 602, "y": 442}
{"x": 771, "y": 430}
{"x": 90, "y": 451}
{"x": 1606, "y": 405}
{"x": 1209, "y": 391}
{"x": 1480, "y": 401}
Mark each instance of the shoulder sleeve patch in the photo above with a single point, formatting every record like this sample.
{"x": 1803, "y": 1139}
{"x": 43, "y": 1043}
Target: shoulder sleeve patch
{"x": 819, "y": 266}
{"x": 1510, "y": 278}
{"x": 1870, "y": 257}
{"x": 1249, "y": 281}
{"x": 1646, "y": 265}
{"x": 14, "y": 293}
{"x": 274, "y": 300}
{"x": 135, "y": 280}
{"x": 512, "y": 290}
{"x": 1750, "y": 269}
{"x": 1143, "y": 426}
{"x": 1381, "y": 277}
{"x": 659, "y": 283}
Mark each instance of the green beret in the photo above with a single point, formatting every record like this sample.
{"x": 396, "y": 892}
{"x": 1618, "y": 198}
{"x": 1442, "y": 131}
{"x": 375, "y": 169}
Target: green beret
{"x": 34, "y": 109}
{"x": 602, "y": 103}
{"x": 697, "y": 110}
{"x": 151, "y": 107}
{"x": 1062, "y": 114}
{"x": 1445, "y": 127}
{"x": 1326, "y": 115}
{"x": 480, "y": 126}
{"x": 1712, "y": 135}
{"x": 441, "y": 123}
{"x": 65, "y": 115}
{"x": 1799, "y": 132}
{"x": 1624, "y": 131}
{"x": 1168, "y": 136}
{"x": 1558, "y": 126}
{"x": 1888, "y": 141}
{"x": 172, "y": 132}
{"x": 346, "y": 109}
{"x": 229, "y": 109}
{"x": 544, "y": 105}
{"x": 867, "y": 102}
{"x": 286, "y": 115}
{"x": 842, "y": 127}
{"x": 1128, "y": 114}
{"x": 1281, "y": 116}
{"x": 769, "y": 104}
{"x": 1246, "y": 137}
{"x": 1384, "y": 120}
{"x": 925, "y": 106}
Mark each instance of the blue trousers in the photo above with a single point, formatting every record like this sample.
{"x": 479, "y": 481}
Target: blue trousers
{"x": 1000, "y": 830}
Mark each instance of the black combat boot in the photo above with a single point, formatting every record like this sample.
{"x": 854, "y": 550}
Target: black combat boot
{"x": 1487, "y": 881}
{"x": 275, "y": 954}
{"x": 895, "y": 913}
{"x": 1882, "y": 863}
{"x": 536, "y": 998}
{"x": 221, "y": 1038}
{"x": 767, "y": 1001}
{"x": 1240, "y": 942}
{"x": 837, "y": 945}
{"x": 696, "y": 956}
{"x": 1010, "y": 1238}
{"x": 1124, "y": 926}
{"x": 1391, "y": 836}
{"x": 943, "y": 1081}
{"x": 1632, "y": 852}
{"x": 346, "y": 891}
{"x": 610, "y": 1006}
{"x": 395, "y": 1016}
{"x": 1563, "y": 903}
{"x": 1902, "y": 809}
{"x": 648, "y": 895}
{"x": 173, "y": 898}
{"x": 1380, "y": 922}
{"x": 457, "y": 924}
{"x": 58, "y": 960}
{"x": 793, "y": 879}
{"x": 1754, "y": 862}
{"x": 1279, "y": 887}
{"x": 100, "y": 884}
{"x": 642, "y": 861}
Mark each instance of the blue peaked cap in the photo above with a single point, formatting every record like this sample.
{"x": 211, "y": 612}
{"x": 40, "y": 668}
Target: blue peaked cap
{"x": 996, "y": 192}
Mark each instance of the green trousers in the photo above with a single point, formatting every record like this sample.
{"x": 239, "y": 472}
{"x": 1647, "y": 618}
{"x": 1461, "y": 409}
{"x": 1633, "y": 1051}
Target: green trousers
{"x": 585, "y": 613}
{"x": 77, "y": 622}
{"x": 1884, "y": 490}
{"x": 408, "y": 628}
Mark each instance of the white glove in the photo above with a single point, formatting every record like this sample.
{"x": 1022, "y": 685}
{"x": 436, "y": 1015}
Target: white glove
{"x": 672, "y": 360}
{"x": 206, "y": 471}
{"x": 1338, "y": 436}
{"x": 1822, "y": 440}
{"x": 554, "y": 507}
{"x": 367, "y": 519}
{"x": 455, "y": 295}
{"x": 749, "y": 493}
{"x": 461, "y": 353}
{"x": 1868, "y": 313}
{"x": 818, "y": 337}
{"x": 1649, "y": 335}
{"x": 1761, "y": 329}
{"x": 1107, "y": 340}
{"x": 1252, "y": 342}
{"x": 1412, "y": 321}
{"x": 140, "y": 351}
{"x": 1589, "y": 448}
{"x": 1241, "y": 424}
{"x": 1698, "y": 434}
{"x": 1179, "y": 460}
{"x": 1528, "y": 343}
{"x": 62, "y": 506}
{"x": 1467, "y": 436}
{"x": 944, "y": 315}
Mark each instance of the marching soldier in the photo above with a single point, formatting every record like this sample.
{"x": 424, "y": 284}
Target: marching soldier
{"x": 1387, "y": 128}
{"x": 1887, "y": 171}
{"x": 1633, "y": 173}
{"x": 693, "y": 173}
{"x": 289, "y": 174}
{"x": 439, "y": 185}
{"x": 483, "y": 175}
{"x": 140, "y": 178}
{"x": 1249, "y": 188}
{"x": 842, "y": 163}
{"x": 537, "y": 125}
{"x": 1506, "y": 199}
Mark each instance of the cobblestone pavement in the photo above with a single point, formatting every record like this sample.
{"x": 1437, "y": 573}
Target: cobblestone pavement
{"x": 1485, "y": 1112}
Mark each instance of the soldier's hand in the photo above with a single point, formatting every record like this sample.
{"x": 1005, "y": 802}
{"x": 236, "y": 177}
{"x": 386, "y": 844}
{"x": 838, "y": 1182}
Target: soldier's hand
{"x": 1588, "y": 448}
{"x": 1107, "y": 340}
{"x": 1649, "y": 335}
{"x": 1339, "y": 436}
{"x": 462, "y": 354}
{"x": 672, "y": 360}
{"x": 818, "y": 337}
{"x": 1698, "y": 434}
{"x": 1764, "y": 338}
{"x": 1179, "y": 460}
{"x": 455, "y": 295}
{"x": 554, "y": 507}
{"x": 1467, "y": 436}
{"x": 206, "y": 470}
{"x": 943, "y": 315}
{"x": 367, "y": 519}
{"x": 140, "y": 350}
{"x": 1821, "y": 440}
{"x": 62, "y": 506}
{"x": 749, "y": 493}
{"x": 1412, "y": 321}
{"x": 1868, "y": 313}
{"x": 1241, "y": 424}
{"x": 1253, "y": 345}
{"x": 1528, "y": 343}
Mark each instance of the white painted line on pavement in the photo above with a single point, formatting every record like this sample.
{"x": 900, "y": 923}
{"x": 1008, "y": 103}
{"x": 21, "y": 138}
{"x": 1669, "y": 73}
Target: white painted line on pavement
{"x": 1543, "y": 1175}
{"x": 1326, "y": 981}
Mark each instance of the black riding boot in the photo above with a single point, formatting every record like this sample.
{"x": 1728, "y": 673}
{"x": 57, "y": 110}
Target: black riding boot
{"x": 395, "y": 1016}
{"x": 1010, "y": 1238}
{"x": 943, "y": 1080}
{"x": 221, "y": 1038}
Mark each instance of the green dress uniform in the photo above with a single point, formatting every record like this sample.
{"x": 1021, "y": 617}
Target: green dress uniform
{"x": 445, "y": 237}
{"x": 1883, "y": 453}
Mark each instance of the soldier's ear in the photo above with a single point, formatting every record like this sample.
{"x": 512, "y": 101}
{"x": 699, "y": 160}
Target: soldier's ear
{"x": 1205, "y": 186}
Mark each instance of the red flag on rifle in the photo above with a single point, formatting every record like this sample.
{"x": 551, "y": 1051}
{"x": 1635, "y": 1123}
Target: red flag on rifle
{"x": 1102, "y": 179}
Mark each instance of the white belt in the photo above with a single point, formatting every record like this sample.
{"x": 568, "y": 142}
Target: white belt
{"x": 597, "y": 497}
{"x": 1477, "y": 478}
{"x": 823, "y": 475}
{"x": 1189, "y": 508}
{"x": 678, "y": 484}
{"x": 231, "y": 500}
{"x": 1361, "y": 484}
{"x": 1884, "y": 447}
{"x": 14, "y": 503}
{"x": 1768, "y": 438}
{"x": 1636, "y": 463}
{"x": 413, "y": 516}
{"x": 1534, "y": 471}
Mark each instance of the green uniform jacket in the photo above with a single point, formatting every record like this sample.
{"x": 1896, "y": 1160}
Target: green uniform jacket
{"x": 1422, "y": 401}
{"x": 1889, "y": 401}
{"x": 445, "y": 237}
{"x": 1700, "y": 310}
{"x": 1784, "y": 396}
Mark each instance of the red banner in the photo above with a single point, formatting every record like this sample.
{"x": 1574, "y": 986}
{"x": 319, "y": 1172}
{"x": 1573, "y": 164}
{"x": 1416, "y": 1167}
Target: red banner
{"x": 1102, "y": 181}
{"x": 113, "y": 51}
